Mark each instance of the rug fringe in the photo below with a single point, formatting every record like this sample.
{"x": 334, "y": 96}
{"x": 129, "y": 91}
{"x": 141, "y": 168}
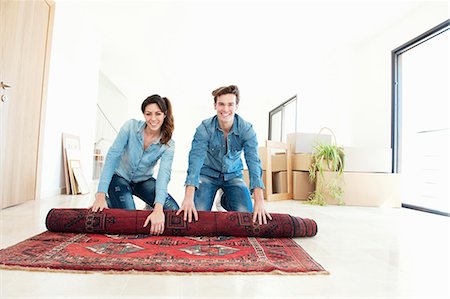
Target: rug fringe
{"x": 112, "y": 272}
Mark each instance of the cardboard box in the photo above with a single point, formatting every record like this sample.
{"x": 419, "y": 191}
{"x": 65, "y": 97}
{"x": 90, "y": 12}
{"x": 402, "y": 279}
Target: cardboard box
{"x": 304, "y": 142}
{"x": 367, "y": 159}
{"x": 367, "y": 189}
{"x": 279, "y": 182}
{"x": 279, "y": 162}
{"x": 302, "y": 186}
{"x": 301, "y": 162}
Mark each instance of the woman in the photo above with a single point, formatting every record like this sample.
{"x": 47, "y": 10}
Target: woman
{"x": 130, "y": 162}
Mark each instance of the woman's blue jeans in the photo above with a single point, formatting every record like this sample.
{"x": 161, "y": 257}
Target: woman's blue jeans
{"x": 121, "y": 191}
{"x": 235, "y": 197}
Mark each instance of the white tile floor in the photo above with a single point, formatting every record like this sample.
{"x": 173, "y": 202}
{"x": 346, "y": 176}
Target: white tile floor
{"x": 369, "y": 252}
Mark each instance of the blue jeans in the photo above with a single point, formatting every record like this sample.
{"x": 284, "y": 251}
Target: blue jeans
{"x": 121, "y": 191}
{"x": 236, "y": 196}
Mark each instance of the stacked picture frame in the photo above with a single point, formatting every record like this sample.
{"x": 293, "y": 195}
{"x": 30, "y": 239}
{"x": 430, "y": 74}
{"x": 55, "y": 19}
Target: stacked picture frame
{"x": 73, "y": 172}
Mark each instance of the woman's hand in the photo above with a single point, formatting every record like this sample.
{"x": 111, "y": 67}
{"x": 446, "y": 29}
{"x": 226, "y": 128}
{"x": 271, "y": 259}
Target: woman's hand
{"x": 100, "y": 202}
{"x": 188, "y": 206}
{"x": 156, "y": 220}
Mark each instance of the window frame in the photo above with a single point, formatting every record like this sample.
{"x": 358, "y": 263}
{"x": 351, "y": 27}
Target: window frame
{"x": 396, "y": 104}
{"x": 281, "y": 108}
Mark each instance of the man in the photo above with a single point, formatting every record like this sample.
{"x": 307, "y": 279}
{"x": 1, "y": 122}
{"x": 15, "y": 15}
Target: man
{"x": 215, "y": 162}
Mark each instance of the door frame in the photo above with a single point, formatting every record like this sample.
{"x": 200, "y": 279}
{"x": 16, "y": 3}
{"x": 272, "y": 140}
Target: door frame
{"x": 51, "y": 17}
{"x": 396, "y": 106}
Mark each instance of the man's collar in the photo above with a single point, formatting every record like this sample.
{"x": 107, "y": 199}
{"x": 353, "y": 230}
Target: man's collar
{"x": 233, "y": 129}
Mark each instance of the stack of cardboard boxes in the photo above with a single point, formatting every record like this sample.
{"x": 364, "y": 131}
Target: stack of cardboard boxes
{"x": 279, "y": 185}
{"x": 302, "y": 185}
{"x": 367, "y": 176}
{"x": 279, "y": 169}
{"x": 302, "y": 144}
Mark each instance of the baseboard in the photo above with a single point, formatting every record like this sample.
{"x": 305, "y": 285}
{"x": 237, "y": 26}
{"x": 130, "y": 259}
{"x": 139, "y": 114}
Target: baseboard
{"x": 53, "y": 192}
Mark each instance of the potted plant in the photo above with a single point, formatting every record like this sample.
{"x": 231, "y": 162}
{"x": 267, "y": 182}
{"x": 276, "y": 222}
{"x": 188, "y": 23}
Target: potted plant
{"x": 327, "y": 157}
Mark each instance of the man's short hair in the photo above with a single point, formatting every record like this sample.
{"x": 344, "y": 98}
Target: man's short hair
{"x": 232, "y": 89}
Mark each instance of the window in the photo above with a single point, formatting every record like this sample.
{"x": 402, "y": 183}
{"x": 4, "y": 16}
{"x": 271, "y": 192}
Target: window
{"x": 420, "y": 127}
{"x": 283, "y": 120}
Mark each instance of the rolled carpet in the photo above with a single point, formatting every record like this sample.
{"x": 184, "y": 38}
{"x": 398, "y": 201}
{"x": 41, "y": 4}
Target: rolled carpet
{"x": 238, "y": 224}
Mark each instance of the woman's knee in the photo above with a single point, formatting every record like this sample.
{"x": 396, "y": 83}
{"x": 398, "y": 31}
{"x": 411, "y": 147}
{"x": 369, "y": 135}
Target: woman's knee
{"x": 121, "y": 201}
{"x": 120, "y": 194}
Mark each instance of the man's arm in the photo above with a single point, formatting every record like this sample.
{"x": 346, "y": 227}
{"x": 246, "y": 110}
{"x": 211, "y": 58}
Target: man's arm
{"x": 255, "y": 173}
{"x": 259, "y": 212}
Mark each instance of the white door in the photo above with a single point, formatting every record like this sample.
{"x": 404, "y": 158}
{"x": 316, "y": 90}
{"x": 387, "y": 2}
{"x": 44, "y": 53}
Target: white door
{"x": 25, "y": 28}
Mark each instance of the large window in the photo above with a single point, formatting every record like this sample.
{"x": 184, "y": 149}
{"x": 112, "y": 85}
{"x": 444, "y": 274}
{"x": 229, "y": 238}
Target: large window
{"x": 283, "y": 120}
{"x": 420, "y": 127}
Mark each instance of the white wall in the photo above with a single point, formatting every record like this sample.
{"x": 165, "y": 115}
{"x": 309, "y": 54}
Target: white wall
{"x": 72, "y": 94}
{"x": 370, "y": 105}
{"x": 270, "y": 53}
{"x": 112, "y": 112}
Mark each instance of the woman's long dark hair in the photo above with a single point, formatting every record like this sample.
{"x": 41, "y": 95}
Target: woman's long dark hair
{"x": 166, "y": 107}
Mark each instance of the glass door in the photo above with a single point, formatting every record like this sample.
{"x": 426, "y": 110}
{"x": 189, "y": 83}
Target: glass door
{"x": 423, "y": 122}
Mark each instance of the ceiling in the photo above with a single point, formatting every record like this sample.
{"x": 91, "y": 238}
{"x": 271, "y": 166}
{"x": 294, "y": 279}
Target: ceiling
{"x": 164, "y": 45}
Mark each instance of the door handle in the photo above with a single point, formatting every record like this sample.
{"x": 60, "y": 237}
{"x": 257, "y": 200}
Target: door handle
{"x": 3, "y": 85}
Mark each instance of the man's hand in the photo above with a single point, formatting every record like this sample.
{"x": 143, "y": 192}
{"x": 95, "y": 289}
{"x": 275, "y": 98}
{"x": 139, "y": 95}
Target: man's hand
{"x": 188, "y": 206}
{"x": 99, "y": 203}
{"x": 260, "y": 215}
{"x": 156, "y": 219}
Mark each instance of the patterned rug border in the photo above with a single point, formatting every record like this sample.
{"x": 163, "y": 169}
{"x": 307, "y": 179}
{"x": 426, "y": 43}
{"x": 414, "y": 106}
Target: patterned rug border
{"x": 6, "y": 265}
{"x": 133, "y": 272}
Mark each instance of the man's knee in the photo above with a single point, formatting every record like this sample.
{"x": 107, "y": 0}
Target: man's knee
{"x": 237, "y": 198}
{"x": 205, "y": 193}
{"x": 171, "y": 204}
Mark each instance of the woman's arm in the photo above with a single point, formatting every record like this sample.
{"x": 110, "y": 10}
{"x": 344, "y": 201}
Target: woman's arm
{"x": 157, "y": 218}
{"x": 111, "y": 163}
{"x": 164, "y": 173}
{"x": 197, "y": 156}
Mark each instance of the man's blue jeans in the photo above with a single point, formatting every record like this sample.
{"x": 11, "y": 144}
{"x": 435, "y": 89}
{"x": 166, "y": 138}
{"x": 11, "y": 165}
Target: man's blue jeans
{"x": 236, "y": 196}
{"x": 121, "y": 191}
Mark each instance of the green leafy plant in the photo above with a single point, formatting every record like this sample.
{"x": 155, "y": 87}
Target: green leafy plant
{"x": 327, "y": 157}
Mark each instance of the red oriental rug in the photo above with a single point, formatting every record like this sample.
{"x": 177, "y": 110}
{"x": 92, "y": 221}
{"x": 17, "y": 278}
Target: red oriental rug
{"x": 237, "y": 224}
{"x": 82, "y": 252}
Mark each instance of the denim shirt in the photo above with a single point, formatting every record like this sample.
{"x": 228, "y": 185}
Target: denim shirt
{"x": 211, "y": 156}
{"x": 128, "y": 159}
